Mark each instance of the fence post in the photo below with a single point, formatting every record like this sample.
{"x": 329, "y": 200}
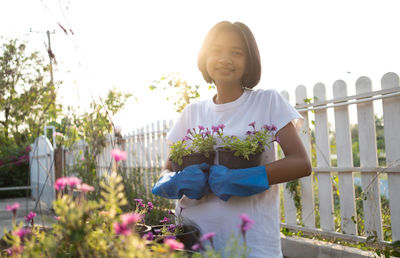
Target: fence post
{"x": 307, "y": 189}
{"x": 323, "y": 160}
{"x": 344, "y": 160}
{"x": 368, "y": 159}
{"x": 391, "y": 119}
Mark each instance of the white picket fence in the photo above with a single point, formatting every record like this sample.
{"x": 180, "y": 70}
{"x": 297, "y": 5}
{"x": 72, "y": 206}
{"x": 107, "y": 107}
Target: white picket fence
{"x": 147, "y": 152}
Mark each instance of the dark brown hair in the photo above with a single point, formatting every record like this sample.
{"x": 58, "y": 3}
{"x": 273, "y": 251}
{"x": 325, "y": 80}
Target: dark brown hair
{"x": 253, "y": 64}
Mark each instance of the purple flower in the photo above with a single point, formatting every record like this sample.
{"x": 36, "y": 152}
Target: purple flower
{"x": 30, "y": 216}
{"x": 150, "y": 206}
{"x": 139, "y": 203}
{"x": 165, "y": 220}
{"x": 13, "y": 207}
{"x": 249, "y": 133}
{"x": 149, "y": 236}
{"x": 170, "y": 237}
{"x": 121, "y": 229}
{"x": 171, "y": 228}
{"x": 22, "y": 232}
{"x": 188, "y": 131}
{"x": 201, "y": 128}
{"x": 157, "y": 231}
{"x": 267, "y": 127}
{"x": 273, "y": 128}
{"x": 221, "y": 126}
{"x": 253, "y": 124}
{"x": 215, "y": 129}
{"x": 208, "y": 236}
{"x": 186, "y": 138}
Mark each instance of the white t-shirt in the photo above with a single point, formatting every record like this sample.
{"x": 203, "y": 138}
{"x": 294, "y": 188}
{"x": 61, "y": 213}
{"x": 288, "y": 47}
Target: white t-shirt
{"x": 214, "y": 215}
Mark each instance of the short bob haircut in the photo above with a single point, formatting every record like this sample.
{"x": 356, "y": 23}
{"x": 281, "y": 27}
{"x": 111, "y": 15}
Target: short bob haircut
{"x": 252, "y": 73}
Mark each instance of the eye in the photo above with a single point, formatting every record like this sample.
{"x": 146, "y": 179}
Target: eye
{"x": 237, "y": 53}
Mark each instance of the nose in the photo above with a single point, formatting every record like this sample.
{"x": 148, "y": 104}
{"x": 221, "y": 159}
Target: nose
{"x": 224, "y": 59}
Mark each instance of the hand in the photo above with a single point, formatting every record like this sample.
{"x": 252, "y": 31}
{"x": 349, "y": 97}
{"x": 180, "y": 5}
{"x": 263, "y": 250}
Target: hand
{"x": 225, "y": 182}
{"x": 191, "y": 181}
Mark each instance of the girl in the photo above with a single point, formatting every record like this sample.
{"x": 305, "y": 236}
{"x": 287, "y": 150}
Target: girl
{"x": 229, "y": 58}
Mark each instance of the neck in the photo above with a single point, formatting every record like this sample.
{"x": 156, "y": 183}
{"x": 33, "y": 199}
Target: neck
{"x": 227, "y": 94}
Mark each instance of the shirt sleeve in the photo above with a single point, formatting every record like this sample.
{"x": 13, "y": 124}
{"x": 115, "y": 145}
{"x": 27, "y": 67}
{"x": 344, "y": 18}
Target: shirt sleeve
{"x": 178, "y": 130}
{"x": 281, "y": 112}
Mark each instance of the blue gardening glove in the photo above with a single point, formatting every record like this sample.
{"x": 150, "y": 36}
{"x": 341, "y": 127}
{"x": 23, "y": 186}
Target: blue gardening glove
{"x": 191, "y": 181}
{"x": 225, "y": 182}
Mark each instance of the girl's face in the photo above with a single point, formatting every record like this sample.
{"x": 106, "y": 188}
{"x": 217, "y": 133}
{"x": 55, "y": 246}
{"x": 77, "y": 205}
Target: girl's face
{"x": 226, "y": 59}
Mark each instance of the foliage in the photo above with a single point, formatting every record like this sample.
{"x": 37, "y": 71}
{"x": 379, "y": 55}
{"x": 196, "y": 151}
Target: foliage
{"x": 254, "y": 142}
{"x": 196, "y": 141}
{"x": 93, "y": 127}
{"x": 14, "y": 171}
{"x": 27, "y": 96}
{"x": 179, "y": 91}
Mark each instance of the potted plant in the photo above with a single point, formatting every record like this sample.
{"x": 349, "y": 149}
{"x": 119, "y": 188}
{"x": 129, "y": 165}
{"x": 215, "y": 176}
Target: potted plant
{"x": 187, "y": 234}
{"x": 243, "y": 153}
{"x": 195, "y": 148}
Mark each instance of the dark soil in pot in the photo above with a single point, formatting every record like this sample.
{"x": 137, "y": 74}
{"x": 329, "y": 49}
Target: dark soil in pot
{"x": 227, "y": 159}
{"x": 189, "y": 236}
{"x": 192, "y": 159}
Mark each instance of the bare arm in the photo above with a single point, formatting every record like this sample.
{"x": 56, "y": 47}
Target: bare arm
{"x": 296, "y": 163}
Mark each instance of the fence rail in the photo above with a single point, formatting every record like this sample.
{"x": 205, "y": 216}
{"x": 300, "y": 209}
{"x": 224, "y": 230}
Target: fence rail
{"x": 147, "y": 151}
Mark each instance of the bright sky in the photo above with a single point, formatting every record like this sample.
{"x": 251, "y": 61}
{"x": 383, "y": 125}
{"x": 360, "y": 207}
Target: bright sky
{"x": 128, "y": 44}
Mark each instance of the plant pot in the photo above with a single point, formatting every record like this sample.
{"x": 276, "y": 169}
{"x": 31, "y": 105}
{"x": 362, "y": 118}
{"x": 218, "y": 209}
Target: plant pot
{"x": 227, "y": 159}
{"x": 189, "y": 236}
{"x": 142, "y": 229}
{"x": 192, "y": 159}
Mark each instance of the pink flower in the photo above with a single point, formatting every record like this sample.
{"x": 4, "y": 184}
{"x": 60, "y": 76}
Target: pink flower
{"x": 208, "y": 236}
{"x": 30, "y": 216}
{"x": 129, "y": 219}
{"x": 173, "y": 244}
{"x": 165, "y": 220}
{"x": 188, "y": 131}
{"x": 197, "y": 246}
{"x": 14, "y": 250}
{"x": 73, "y": 181}
{"x": 28, "y": 149}
{"x": 58, "y": 134}
{"x": 215, "y": 129}
{"x": 60, "y": 183}
{"x": 118, "y": 154}
{"x": 86, "y": 188}
{"x": 13, "y": 207}
{"x": 57, "y": 218}
{"x": 22, "y": 232}
{"x": 201, "y": 128}
{"x": 186, "y": 138}
{"x": 253, "y": 124}
{"x": 221, "y": 126}
{"x": 121, "y": 229}
{"x": 247, "y": 223}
